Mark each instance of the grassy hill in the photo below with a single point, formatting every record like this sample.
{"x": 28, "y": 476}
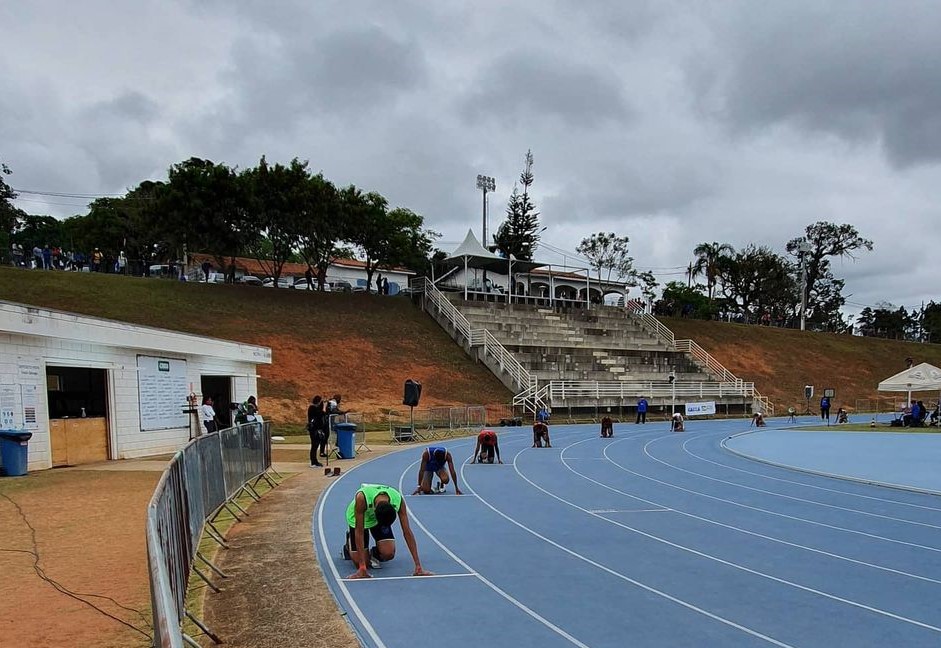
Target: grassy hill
{"x": 365, "y": 346}
{"x": 782, "y": 361}
{"x": 362, "y": 346}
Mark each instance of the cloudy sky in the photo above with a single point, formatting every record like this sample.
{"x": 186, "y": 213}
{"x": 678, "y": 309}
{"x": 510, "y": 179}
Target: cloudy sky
{"x": 670, "y": 122}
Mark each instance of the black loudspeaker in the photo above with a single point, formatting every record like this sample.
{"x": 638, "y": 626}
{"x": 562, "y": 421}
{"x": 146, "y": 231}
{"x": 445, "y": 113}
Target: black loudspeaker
{"x": 412, "y": 393}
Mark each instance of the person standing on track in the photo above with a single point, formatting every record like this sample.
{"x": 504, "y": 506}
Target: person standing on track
{"x": 825, "y": 409}
{"x": 373, "y": 511}
{"x": 540, "y": 432}
{"x": 316, "y": 429}
{"x": 641, "y": 411}
{"x": 433, "y": 462}
{"x": 487, "y": 444}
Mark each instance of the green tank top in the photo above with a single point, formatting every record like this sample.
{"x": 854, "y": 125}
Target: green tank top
{"x": 370, "y": 491}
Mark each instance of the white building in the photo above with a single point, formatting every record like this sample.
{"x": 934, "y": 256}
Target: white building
{"x": 92, "y": 389}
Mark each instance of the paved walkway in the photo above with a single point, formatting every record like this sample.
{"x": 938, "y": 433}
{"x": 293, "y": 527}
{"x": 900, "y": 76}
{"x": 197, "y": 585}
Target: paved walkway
{"x": 892, "y": 458}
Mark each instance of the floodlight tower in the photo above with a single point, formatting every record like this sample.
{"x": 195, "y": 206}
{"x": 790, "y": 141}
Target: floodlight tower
{"x": 485, "y": 184}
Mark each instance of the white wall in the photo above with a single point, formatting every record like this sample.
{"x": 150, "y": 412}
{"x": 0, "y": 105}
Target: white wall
{"x": 126, "y": 438}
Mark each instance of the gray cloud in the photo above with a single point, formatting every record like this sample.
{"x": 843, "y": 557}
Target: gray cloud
{"x": 670, "y": 122}
{"x": 526, "y": 85}
{"x": 860, "y": 71}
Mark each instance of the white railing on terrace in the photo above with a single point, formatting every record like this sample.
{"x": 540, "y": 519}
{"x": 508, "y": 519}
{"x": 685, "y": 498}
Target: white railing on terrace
{"x": 559, "y": 390}
{"x": 477, "y": 337}
{"x": 700, "y": 354}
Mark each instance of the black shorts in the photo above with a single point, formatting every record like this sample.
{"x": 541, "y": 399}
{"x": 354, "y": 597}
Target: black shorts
{"x": 378, "y": 533}
{"x": 486, "y": 454}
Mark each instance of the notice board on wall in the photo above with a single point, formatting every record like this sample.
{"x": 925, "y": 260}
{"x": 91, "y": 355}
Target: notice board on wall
{"x": 163, "y": 388}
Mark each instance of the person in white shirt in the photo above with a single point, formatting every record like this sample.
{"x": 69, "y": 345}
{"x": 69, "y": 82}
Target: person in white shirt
{"x": 208, "y": 414}
{"x": 676, "y": 423}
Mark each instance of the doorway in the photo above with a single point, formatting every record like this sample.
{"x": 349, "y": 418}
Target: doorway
{"x": 78, "y": 414}
{"x": 220, "y": 389}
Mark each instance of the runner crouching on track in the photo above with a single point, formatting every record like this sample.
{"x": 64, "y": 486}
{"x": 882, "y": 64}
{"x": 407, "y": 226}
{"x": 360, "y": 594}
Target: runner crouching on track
{"x": 540, "y": 432}
{"x": 607, "y": 427}
{"x": 487, "y": 444}
{"x": 373, "y": 511}
{"x": 676, "y": 423}
{"x": 433, "y": 462}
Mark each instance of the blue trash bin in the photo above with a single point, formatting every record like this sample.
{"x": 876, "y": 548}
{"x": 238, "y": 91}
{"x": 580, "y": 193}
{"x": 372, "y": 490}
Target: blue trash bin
{"x": 14, "y": 451}
{"x": 346, "y": 439}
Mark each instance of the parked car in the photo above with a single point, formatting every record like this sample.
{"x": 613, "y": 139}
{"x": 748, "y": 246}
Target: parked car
{"x": 283, "y": 282}
{"x": 301, "y": 284}
{"x": 250, "y": 280}
{"x": 339, "y": 286}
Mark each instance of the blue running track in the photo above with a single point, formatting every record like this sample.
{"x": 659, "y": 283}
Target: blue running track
{"x": 651, "y": 538}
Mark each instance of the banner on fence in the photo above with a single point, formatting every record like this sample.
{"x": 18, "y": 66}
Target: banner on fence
{"x": 701, "y": 409}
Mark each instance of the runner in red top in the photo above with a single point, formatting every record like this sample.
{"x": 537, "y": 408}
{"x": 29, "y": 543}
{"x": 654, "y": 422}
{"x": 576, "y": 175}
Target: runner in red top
{"x": 487, "y": 444}
{"x": 540, "y": 432}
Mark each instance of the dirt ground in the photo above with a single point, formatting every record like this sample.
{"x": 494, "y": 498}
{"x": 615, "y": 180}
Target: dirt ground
{"x": 276, "y": 594}
{"x": 89, "y": 539}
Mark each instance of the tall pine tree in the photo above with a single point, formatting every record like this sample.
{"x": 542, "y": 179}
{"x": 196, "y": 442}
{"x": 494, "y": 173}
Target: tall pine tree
{"x": 519, "y": 233}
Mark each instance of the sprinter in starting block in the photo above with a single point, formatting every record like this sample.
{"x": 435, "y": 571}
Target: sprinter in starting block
{"x": 434, "y": 460}
{"x": 373, "y": 511}
{"x": 540, "y": 434}
{"x": 487, "y": 444}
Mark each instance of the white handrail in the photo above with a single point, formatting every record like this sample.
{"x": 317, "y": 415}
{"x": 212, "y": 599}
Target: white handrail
{"x": 476, "y": 337}
{"x": 689, "y": 346}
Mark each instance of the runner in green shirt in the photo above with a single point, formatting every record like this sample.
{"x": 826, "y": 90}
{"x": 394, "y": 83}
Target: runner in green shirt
{"x": 373, "y": 511}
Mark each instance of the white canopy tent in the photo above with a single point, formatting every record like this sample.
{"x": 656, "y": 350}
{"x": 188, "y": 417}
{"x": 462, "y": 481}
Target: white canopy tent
{"x": 919, "y": 378}
{"x": 472, "y": 254}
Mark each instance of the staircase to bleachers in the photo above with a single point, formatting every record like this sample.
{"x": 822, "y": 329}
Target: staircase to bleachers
{"x": 583, "y": 359}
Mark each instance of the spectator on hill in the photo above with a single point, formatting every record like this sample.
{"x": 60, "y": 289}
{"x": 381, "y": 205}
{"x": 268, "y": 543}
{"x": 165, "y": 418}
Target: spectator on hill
{"x": 37, "y": 257}
{"x": 309, "y": 276}
{"x": 206, "y": 268}
{"x": 385, "y": 285}
{"x": 46, "y": 258}
{"x": 96, "y": 258}
{"x": 122, "y": 263}
{"x": 378, "y": 283}
{"x": 641, "y": 411}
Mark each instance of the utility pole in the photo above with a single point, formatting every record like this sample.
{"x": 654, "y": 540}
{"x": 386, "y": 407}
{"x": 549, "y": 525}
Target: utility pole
{"x": 804, "y": 249}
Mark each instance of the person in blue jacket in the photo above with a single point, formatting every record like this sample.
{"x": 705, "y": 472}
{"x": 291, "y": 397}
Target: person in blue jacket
{"x": 434, "y": 460}
{"x": 641, "y": 411}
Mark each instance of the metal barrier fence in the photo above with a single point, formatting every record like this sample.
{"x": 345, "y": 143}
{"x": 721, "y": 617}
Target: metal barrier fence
{"x": 201, "y": 480}
{"x": 429, "y": 424}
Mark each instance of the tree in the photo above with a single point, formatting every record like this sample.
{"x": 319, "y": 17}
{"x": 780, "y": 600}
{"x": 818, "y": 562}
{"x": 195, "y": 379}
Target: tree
{"x": 277, "y": 200}
{"x": 519, "y": 233}
{"x": 10, "y": 215}
{"x": 823, "y": 292}
{"x": 321, "y": 226}
{"x": 931, "y": 322}
{"x": 37, "y": 231}
{"x": 756, "y": 281}
{"x": 708, "y": 258}
{"x": 648, "y": 285}
{"x": 204, "y": 208}
{"x": 607, "y": 252}
{"x": 386, "y": 237}
{"x": 679, "y": 299}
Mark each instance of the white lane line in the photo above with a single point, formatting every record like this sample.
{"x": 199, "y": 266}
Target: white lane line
{"x": 743, "y": 568}
{"x": 797, "y": 483}
{"x": 376, "y": 579}
{"x": 621, "y": 576}
{"x": 341, "y": 584}
{"x": 746, "y": 531}
{"x": 653, "y": 510}
{"x": 768, "y": 511}
{"x": 520, "y": 605}
{"x": 790, "y": 497}
{"x": 325, "y": 548}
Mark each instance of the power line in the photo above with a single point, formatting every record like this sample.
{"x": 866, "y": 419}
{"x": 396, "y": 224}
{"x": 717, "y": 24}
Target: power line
{"x": 65, "y": 194}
